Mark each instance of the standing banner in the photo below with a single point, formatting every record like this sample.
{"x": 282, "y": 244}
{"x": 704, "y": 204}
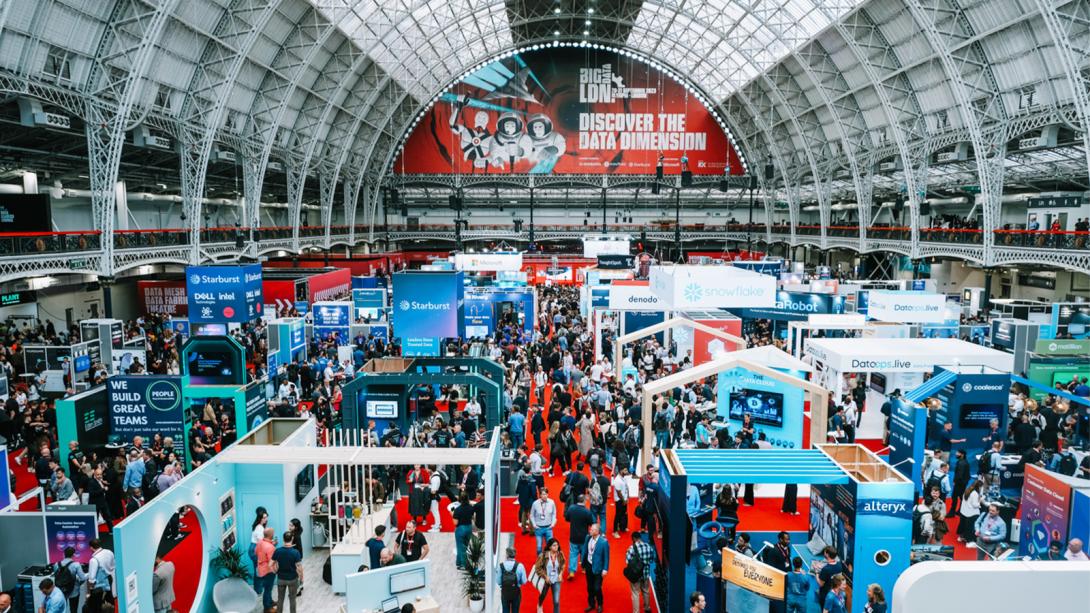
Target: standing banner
{"x": 478, "y": 316}
{"x": 561, "y": 110}
{"x": 757, "y": 577}
{"x": 146, "y": 405}
{"x": 257, "y": 406}
{"x": 907, "y": 437}
{"x": 427, "y": 307}
{"x": 1046, "y": 502}
{"x": 219, "y": 294}
{"x": 75, "y": 530}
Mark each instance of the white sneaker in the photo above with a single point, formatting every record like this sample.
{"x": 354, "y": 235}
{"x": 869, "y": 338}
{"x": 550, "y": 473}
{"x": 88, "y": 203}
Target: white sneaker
{"x": 434, "y": 529}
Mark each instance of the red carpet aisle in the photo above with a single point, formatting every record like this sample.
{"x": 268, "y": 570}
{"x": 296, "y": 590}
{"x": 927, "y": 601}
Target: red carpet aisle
{"x": 24, "y": 480}
{"x": 186, "y": 556}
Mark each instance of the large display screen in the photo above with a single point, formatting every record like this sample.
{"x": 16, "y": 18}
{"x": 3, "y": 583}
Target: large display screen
{"x": 382, "y": 409}
{"x": 211, "y": 368}
{"x": 568, "y": 110}
{"x": 979, "y": 416}
{"x": 25, "y": 213}
{"x": 764, "y": 407}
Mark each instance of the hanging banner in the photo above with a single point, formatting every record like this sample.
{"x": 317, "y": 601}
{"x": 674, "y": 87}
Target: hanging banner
{"x": 146, "y": 405}
{"x": 906, "y": 307}
{"x": 218, "y": 294}
{"x": 427, "y": 307}
{"x": 757, "y": 577}
{"x": 633, "y": 296}
{"x": 616, "y": 261}
{"x": 561, "y": 110}
{"x": 684, "y": 287}
{"x": 488, "y": 261}
{"x": 796, "y": 306}
{"x": 1062, "y": 347}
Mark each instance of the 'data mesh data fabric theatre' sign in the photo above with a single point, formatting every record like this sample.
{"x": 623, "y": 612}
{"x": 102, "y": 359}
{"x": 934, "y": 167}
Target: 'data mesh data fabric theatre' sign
{"x": 568, "y": 110}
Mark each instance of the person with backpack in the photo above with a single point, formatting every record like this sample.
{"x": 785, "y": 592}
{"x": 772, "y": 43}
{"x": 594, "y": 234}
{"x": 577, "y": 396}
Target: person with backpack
{"x": 990, "y": 467}
{"x": 510, "y": 576}
{"x": 596, "y": 496}
{"x": 68, "y": 576}
{"x": 639, "y": 560}
{"x": 1064, "y": 462}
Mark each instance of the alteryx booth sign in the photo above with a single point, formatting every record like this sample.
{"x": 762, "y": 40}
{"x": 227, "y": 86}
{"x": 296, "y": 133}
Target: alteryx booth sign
{"x": 144, "y": 405}
{"x": 906, "y": 307}
{"x": 427, "y": 307}
{"x": 220, "y": 294}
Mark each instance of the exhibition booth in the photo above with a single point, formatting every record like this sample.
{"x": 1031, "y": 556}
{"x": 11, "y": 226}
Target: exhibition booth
{"x": 635, "y": 308}
{"x": 385, "y": 389}
{"x": 791, "y": 307}
{"x": 777, "y": 398}
{"x": 901, "y": 361}
{"x": 710, "y": 340}
{"x": 858, "y": 505}
{"x": 286, "y": 288}
{"x": 265, "y": 469}
{"x": 487, "y": 308}
{"x": 1057, "y": 361}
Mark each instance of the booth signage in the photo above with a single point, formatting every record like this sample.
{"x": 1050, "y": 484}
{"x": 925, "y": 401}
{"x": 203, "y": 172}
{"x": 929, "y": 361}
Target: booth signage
{"x": 796, "y": 306}
{"x": 599, "y": 297}
{"x": 906, "y": 307}
{"x": 899, "y": 509}
{"x": 488, "y": 261}
{"x": 596, "y": 245}
{"x": 366, "y": 298}
{"x": 330, "y": 285}
{"x": 218, "y": 294}
{"x": 75, "y": 530}
{"x": 14, "y": 298}
{"x": 166, "y": 297}
{"x": 907, "y": 437}
{"x": 1062, "y": 347}
{"x": 752, "y": 575}
{"x": 427, "y": 305}
{"x": 712, "y": 287}
{"x": 478, "y": 316}
{"x": 1055, "y": 202}
{"x": 257, "y": 407}
{"x": 145, "y": 405}
{"x": 616, "y": 261}
{"x": 1046, "y": 502}
{"x": 634, "y": 297}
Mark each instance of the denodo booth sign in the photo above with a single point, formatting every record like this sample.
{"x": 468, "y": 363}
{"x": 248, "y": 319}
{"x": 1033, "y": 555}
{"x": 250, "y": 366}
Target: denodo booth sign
{"x": 144, "y": 405}
{"x": 219, "y": 294}
{"x": 685, "y": 287}
{"x": 427, "y": 307}
{"x": 633, "y": 296}
{"x": 906, "y": 307}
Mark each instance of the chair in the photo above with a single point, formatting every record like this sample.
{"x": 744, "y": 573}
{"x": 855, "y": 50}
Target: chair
{"x": 233, "y": 595}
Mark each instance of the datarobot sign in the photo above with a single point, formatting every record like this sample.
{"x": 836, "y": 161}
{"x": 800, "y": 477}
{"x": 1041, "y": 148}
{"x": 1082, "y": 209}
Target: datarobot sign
{"x": 906, "y": 307}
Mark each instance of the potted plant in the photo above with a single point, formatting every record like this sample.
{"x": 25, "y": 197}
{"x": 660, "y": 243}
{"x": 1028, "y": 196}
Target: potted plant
{"x": 232, "y": 591}
{"x": 473, "y": 575}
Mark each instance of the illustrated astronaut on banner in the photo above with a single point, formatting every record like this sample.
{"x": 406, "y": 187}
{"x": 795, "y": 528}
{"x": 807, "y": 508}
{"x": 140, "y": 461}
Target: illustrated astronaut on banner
{"x": 508, "y": 143}
{"x": 544, "y": 144}
{"x": 476, "y": 141}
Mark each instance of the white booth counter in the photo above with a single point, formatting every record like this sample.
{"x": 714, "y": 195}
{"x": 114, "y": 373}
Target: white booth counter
{"x": 351, "y": 552}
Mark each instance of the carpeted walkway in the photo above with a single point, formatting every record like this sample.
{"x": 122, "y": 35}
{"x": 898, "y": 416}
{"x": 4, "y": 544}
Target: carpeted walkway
{"x": 185, "y": 554}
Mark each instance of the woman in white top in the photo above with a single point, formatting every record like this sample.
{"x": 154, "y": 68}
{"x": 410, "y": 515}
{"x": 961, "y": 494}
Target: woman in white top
{"x": 258, "y": 533}
{"x": 969, "y": 511}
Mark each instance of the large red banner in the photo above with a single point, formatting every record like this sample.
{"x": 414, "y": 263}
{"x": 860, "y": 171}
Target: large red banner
{"x": 166, "y": 297}
{"x": 565, "y": 110}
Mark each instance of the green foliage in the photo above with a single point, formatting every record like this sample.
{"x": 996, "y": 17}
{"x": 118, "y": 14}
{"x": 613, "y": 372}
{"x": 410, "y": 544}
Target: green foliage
{"x": 230, "y": 563}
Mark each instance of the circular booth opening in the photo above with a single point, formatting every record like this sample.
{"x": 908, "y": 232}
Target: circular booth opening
{"x": 180, "y": 560}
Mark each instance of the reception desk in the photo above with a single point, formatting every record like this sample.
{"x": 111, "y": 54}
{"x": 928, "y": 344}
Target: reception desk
{"x": 408, "y": 582}
{"x": 351, "y": 552}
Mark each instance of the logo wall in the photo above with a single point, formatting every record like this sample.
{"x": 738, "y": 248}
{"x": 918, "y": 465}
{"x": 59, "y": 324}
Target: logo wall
{"x": 220, "y": 294}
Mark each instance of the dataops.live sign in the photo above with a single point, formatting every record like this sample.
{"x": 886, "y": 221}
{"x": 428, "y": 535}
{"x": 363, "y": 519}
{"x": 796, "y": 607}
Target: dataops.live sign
{"x": 145, "y": 405}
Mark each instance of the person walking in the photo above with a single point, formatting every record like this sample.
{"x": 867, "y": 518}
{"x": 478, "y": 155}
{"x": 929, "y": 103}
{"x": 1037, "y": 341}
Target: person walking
{"x": 798, "y": 586}
{"x": 68, "y": 576}
{"x": 162, "y": 585}
{"x": 549, "y": 571}
{"x": 265, "y": 578}
{"x": 596, "y": 564}
{"x": 620, "y": 494}
{"x": 639, "y": 560}
{"x": 579, "y": 520}
{"x": 463, "y": 528}
{"x": 510, "y": 577}
{"x": 100, "y": 576}
{"x": 543, "y": 518}
{"x": 289, "y": 571}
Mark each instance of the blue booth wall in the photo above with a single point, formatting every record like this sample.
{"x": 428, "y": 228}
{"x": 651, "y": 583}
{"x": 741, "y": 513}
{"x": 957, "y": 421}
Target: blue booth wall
{"x": 907, "y": 437}
{"x": 365, "y": 591}
{"x": 789, "y": 436}
{"x": 634, "y": 321}
{"x": 883, "y": 523}
{"x": 961, "y": 403}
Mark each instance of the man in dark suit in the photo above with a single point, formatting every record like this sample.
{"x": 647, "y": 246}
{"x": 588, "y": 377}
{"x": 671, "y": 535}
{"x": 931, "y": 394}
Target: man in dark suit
{"x": 778, "y": 556}
{"x": 134, "y": 502}
{"x": 596, "y": 563}
{"x": 469, "y": 481}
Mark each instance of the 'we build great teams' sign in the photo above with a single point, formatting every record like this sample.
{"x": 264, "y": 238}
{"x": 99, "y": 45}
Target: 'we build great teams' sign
{"x": 144, "y": 405}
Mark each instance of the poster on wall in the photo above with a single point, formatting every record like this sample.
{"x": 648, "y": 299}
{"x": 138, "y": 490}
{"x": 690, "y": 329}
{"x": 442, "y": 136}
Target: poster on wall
{"x": 832, "y": 523}
{"x": 146, "y": 405}
{"x": 907, "y": 437}
{"x": 257, "y": 407}
{"x": 75, "y": 530}
{"x": 1046, "y": 501}
{"x": 165, "y": 297}
{"x": 568, "y": 110}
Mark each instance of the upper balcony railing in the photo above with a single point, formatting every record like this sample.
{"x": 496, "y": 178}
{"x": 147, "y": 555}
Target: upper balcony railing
{"x": 44, "y": 243}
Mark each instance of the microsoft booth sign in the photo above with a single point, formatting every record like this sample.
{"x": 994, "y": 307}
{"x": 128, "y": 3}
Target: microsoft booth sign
{"x": 907, "y": 307}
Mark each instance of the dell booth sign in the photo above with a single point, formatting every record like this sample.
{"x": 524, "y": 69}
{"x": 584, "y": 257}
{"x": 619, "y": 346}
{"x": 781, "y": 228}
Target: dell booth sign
{"x": 221, "y": 294}
{"x": 428, "y": 307}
